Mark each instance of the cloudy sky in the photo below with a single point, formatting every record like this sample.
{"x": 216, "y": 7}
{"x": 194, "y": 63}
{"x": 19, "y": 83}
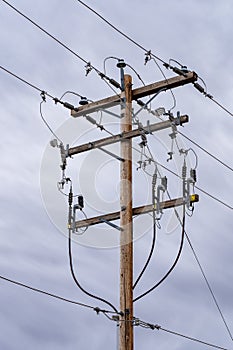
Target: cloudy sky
{"x": 34, "y": 214}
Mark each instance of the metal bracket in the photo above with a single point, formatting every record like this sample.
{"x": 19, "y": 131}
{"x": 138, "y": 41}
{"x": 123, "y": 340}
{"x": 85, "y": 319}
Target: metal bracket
{"x": 111, "y": 224}
{"x": 111, "y": 154}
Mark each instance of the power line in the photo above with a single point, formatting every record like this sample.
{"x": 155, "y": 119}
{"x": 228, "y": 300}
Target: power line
{"x": 45, "y": 31}
{"x": 25, "y": 81}
{"x": 213, "y": 197}
{"x": 88, "y": 66}
{"x": 54, "y": 295}
{"x": 150, "y": 54}
{"x": 197, "y": 187}
{"x": 203, "y": 273}
{"x": 199, "y": 264}
{"x": 173, "y": 265}
{"x": 73, "y": 273}
{"x": 196, "y": 257}
{"x": 118, "y": 30}
{"x": 143, "y": 324}
{"x": 43, "y": 93}
{"x": 204, "y": 150}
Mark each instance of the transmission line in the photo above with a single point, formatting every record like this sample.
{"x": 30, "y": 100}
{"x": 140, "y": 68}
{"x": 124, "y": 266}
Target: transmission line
{"x": 88, "y": 66}
{"x": 152, "y": 326}
{"x": 54, "y": 295}
{"x": 204, "y": 150}
{"x": 150, "y": 54}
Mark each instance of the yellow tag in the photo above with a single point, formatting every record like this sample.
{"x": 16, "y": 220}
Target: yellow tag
{"x": 192, "y": 198}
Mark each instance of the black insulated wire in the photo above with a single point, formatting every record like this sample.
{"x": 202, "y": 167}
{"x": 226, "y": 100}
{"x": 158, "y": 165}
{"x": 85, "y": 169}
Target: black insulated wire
{"x": 76, "y": 280}
{"x": 173, "y": 265}
{"x": 154, "y": 234}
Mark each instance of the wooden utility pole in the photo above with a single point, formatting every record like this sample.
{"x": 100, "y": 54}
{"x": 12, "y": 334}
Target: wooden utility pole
{"x": 126, "y": 210}
{"x": 126, "y": 236}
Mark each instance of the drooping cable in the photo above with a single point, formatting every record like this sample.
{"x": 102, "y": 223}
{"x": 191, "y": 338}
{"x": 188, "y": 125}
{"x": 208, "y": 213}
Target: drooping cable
{"x": 46, "y": 123}
{"x": 70, "y": 200}
{"x": 154, "y": 234}
{"x": 78, "y": 283}
{"x": 173, "y": 265}
{"x": 164, "y": 76}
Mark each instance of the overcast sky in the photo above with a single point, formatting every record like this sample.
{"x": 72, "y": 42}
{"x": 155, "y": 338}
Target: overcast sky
{"x": 34, "y": 214}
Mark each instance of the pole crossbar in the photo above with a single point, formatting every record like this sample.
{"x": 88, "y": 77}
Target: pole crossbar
{"x": 126, "y": 135}
{"x": 150, "y": 89}
{"x": 144, "y": 209}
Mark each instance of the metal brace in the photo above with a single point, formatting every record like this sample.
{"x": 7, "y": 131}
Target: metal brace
{"x": 111, "y": 224}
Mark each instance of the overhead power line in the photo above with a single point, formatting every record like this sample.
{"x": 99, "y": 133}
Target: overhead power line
{"x": 25, "y": 81}
{"x": 197, "y": 187}
{"x": 117, "y": 29}
{"x": 45, "y": 31}
{"x": 149, "y": 54}
{"x": 204, "y": 150}
{"x": 195, "y": 256}
{"x": 148, "y": 325}
{"x": 203, "y": 273}
{"x": 88, "y": 66}
{"x": 55, "y": 296}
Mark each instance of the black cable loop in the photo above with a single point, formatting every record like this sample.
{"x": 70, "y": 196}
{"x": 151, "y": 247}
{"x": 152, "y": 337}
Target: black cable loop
{"x": 77, "y": 282}
{"x": 153, "y": 241}
{"x": 173, "y": 265}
